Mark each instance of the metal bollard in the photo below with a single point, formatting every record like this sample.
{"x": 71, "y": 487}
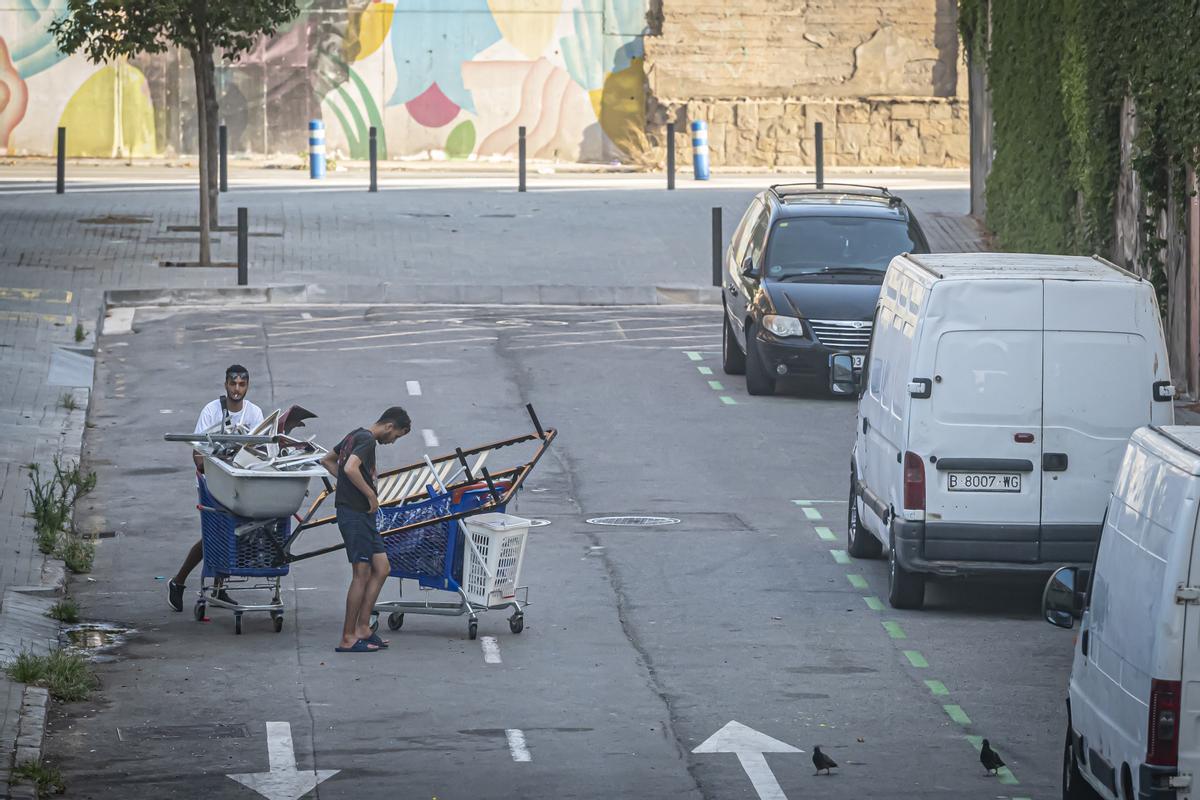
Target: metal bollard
{"x": 820, "y": 148}
{"x": 316, "y": 149}
{"x": 700, "y": 150}
{"x": 373, "y": 151}
{"x": 521, "y": 158}
{"x": 243, "y": 234}
{"x": 718, "y": 239}
{"x": 223, "y": 156}
{"x": 61, "y": 185}
{"x": 670, "y": 156}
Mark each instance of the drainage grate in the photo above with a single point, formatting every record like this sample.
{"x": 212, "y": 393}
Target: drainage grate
{"x": 633, "y": 522}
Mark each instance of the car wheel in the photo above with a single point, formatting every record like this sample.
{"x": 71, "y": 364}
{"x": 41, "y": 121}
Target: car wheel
{"x": 859, "y": 541}
{"x": 758, "y": 380}
{"x": 1074, "y": 785}
{"x": 733, "y": 360}
{"x": 905, "y": 589}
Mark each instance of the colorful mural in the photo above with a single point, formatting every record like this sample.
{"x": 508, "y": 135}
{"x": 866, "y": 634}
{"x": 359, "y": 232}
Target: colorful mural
{"x": 441, "y": 79}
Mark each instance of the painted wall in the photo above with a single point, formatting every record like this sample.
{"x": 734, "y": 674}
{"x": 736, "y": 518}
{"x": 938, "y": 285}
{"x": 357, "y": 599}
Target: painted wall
{"x": 438, "y": 78}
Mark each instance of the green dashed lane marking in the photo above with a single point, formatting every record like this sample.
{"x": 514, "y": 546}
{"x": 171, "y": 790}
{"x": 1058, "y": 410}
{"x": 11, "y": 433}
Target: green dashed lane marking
{"x": 693, "y": 355}
{"x": 874, "y": 603}
{"x": 727, "y": 400}
{"x": 840, "y": 556}
{"x": 894, "y": 630}
{"x": 937, "y": 688}
{"x": 811, "y": 512}
{"x": 1006, "y": 776}
{"x": 705, "y": 370}
{"x": 916, "y": 659}
{"x": 716, "y": 386}
{"x": 857, "y": 581}
{"x": 956, "y": 713}
{"x": 825, "y": 533}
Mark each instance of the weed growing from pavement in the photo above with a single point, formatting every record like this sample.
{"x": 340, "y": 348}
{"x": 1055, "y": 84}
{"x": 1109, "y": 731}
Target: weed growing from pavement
{"x": 80, "y": 333}
{"x": 47, "y": 779}
{"x": 66, "y": 676}
{"x": 67, "y": 401}
{"x": 76, "y": 552}
{"x": 65, "y": 610}
{"x": 53, "y": 500}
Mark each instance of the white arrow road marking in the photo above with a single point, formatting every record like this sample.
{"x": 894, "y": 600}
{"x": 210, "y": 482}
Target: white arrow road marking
{"x": 516, "y": 745}
{"x": 749, "y": 746}
{"x": 284, "y": 781}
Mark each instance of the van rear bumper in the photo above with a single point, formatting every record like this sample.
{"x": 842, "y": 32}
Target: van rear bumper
{"x": 952, "y": 549}
{"x": 1152, "y": 783}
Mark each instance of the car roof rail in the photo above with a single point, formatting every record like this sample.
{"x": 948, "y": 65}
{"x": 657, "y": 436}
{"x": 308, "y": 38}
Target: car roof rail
{"x": 918, "y": 262}
{"x": 1117, "y": 267}
{"x": 785, "y": 190}
{"x": 1175, "y": 439}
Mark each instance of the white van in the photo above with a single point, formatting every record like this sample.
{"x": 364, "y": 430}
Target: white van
{"x": 1133, "y": 706}
{"x": 995, "y": 402}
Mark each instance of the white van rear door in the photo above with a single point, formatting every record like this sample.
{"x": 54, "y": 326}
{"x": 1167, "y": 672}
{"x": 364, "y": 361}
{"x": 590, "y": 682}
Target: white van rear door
{"x": 1097, "y": 390}
{"x": 982, "y": 423}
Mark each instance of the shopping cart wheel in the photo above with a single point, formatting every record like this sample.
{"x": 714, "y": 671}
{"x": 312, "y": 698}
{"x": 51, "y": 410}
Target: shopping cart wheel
{"x": 277, "y": 618}
{"x": 516, "y": 623}
{"x": 374, "y": 623}
{"x": 473, "y": 629}
{"x": 199, "y": 611}
{"x": 237, "y": 623}
{"x": 395, "y": 620}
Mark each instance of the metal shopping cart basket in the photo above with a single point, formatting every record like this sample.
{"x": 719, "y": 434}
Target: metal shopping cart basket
{"x": 240, "y": 555}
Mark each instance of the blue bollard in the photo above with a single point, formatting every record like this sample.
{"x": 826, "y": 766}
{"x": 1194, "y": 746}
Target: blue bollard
{"x": 316, "y": 149}
{"x": 700, "y": 150}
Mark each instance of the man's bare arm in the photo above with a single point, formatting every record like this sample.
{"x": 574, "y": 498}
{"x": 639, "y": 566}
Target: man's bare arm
{"x": 329, "y": 462}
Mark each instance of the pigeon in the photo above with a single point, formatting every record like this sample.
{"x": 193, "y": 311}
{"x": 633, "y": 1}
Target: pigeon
{"x": 822, "y": 761}
{"x": 990, "y": 759}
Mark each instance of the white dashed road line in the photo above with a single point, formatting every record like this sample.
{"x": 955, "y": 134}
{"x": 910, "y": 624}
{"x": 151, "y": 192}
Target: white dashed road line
{"x": 516, "y": 745}
{"x": 430, "y": 437}
{"x": 491, "y": 650}
{"x": 414, "y": 388}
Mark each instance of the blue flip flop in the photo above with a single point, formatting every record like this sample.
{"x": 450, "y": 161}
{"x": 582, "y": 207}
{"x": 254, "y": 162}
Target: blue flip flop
{"x": 361, "y": 646}
{"x": 375, "y": 640}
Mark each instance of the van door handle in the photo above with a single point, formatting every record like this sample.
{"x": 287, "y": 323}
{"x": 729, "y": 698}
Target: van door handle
{"x": 866, "y": 424}
{"x": 1054, "y": 462}
{"x": 1083, "y": 642}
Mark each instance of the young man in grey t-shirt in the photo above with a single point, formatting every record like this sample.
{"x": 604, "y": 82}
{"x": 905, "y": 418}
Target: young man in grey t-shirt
{"x": 353, "y": 463}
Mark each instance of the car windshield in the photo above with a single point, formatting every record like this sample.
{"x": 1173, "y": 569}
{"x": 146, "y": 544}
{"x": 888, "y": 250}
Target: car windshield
{"x": 813, "y": 245}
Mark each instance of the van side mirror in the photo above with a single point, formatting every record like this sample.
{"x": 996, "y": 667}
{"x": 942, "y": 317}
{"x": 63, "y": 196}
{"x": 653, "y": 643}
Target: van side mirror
{"x": 748, "y": 270}
{"x": 1062, "y": 602}
{"x": 843, "y": 378}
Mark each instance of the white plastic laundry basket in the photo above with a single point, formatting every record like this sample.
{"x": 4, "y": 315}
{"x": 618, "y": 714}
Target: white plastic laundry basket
{"x": 493, "y": 549}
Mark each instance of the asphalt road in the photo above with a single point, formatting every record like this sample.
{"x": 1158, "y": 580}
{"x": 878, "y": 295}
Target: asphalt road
{"x": 640, "y": 643}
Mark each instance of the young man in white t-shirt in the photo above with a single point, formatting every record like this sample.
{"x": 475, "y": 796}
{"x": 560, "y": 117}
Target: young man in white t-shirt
{"x": 234, "y": 409}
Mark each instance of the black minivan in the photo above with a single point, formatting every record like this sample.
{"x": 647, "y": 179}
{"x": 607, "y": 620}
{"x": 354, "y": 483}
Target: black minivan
{"x": 802, "y": 276}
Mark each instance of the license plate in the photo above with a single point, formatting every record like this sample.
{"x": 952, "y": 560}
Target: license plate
{"x": 983, "y": 481}
{"x": 858, "y": 361}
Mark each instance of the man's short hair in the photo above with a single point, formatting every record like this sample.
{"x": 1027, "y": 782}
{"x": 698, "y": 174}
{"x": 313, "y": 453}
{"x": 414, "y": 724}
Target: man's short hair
{"x": 398, "y": 417}
{"x": 236, "y": 371}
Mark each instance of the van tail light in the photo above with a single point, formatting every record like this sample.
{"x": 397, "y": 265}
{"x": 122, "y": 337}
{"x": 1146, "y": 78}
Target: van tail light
{"x": 914, "y": 482}
{"x": 1163, "y": 747}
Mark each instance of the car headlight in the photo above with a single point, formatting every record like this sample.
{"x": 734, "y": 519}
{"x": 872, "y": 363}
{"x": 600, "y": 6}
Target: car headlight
{"x": 783, "y": 326}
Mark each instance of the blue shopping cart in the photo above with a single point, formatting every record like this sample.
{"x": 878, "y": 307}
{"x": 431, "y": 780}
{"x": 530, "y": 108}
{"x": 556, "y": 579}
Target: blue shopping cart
{"x": 240, "y": 555}
{"x": 433, "y": 556}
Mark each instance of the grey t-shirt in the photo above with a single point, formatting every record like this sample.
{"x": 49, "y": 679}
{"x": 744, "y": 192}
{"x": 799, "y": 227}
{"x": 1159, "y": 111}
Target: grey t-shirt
{"x": 361, "y": 443}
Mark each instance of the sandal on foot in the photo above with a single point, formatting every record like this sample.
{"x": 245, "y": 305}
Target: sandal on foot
{"x": 360, "y": 646}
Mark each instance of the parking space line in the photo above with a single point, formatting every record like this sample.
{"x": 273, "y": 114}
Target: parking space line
{"x": 517, "y": 746}
{"x": 692, "y": 354}
{"x": 937, "y": 688}
{"x": 840, "y": 556}
{"x": 36, "y": 295}
{"x": 705, "y": 370}
{"x": 874, "y": 603}
{"x": 491, "y": 649}
{"x": 894, "y": 630}
{"x": 716, "y": 386}
{"x": 811, "y": 512}
{"x": 825, "y": 533}
{"x": 29, "y": 316}
{"x": 857, "y": 581}
{"x": 430, "y": 437}
{"x": 916, "y": 659}
{"x": 1006, "y": 775}
{"x": 414, "y": 388}
{"x": 727, "y": 400}
{"x": 956, "y": 713}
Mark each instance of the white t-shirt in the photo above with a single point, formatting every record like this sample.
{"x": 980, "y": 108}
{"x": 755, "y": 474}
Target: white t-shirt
{"x": 250, "y": 415}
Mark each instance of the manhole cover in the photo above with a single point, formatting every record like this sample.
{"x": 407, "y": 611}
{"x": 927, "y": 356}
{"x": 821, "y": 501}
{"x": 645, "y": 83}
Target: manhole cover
{"x": 115, "y": 219}
{"x": 633, "y": 522}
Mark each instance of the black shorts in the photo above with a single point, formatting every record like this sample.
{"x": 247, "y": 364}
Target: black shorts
{"x": 360, "y": 534}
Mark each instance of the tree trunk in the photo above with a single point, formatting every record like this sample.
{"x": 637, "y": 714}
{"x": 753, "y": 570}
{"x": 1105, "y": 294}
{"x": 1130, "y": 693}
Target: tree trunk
{"x": 212, "y": 114}
{"x": 198, "y": 69}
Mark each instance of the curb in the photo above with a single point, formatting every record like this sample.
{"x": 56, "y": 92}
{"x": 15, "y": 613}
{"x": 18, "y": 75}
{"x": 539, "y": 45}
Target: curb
{"x": 31, "y": 731}
{"x": 407, "y": 294}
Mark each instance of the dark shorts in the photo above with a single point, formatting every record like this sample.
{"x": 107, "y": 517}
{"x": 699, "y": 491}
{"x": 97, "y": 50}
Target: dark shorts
{"x": 360, "y": 534}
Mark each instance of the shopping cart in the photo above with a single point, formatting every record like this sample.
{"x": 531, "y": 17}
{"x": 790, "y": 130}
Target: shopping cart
{"x": 240, "y": 555}
{"x": 438, "y": 556}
